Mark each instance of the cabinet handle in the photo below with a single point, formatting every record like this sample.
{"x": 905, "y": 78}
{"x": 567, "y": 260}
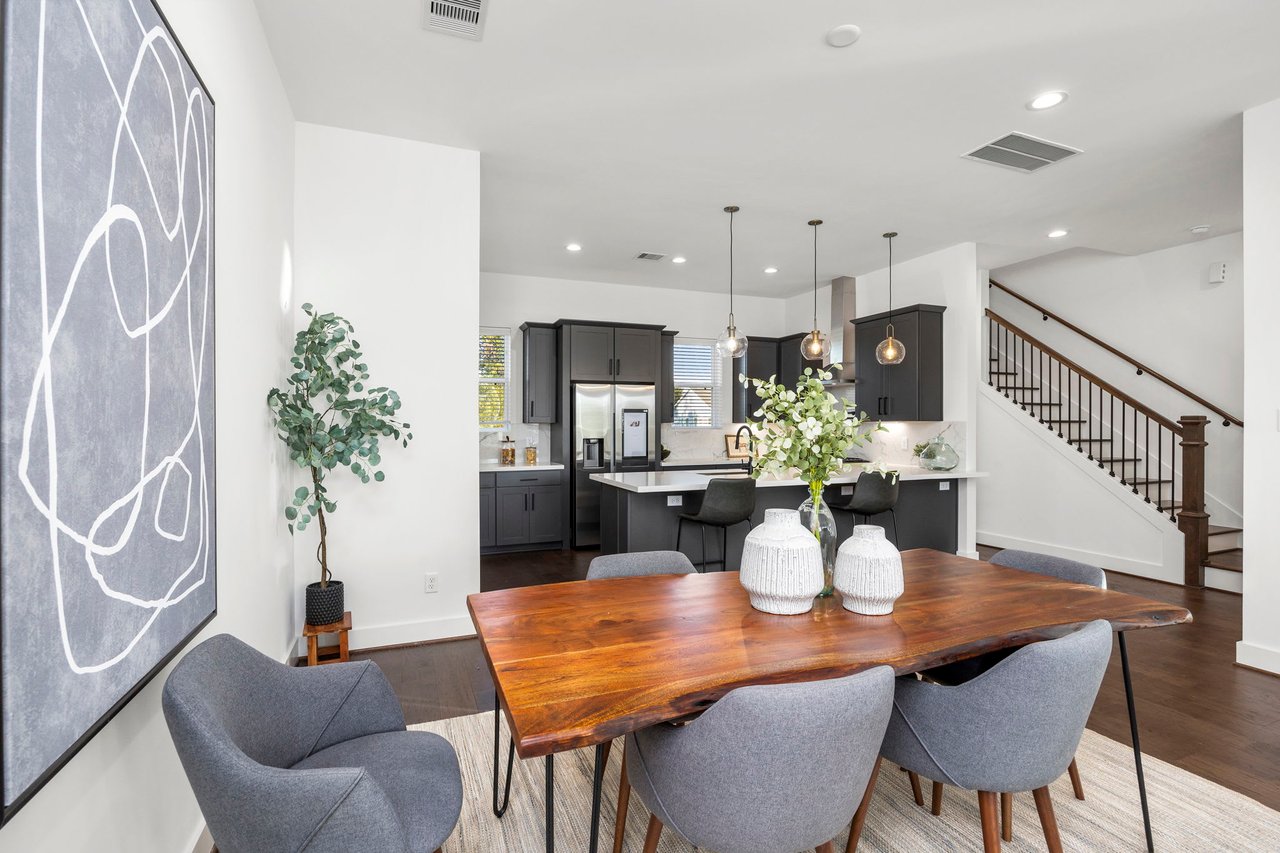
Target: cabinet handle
{"x": 534, "y": 500}
{"x": 526, "y": 501}
{"x": 617, "y": 367}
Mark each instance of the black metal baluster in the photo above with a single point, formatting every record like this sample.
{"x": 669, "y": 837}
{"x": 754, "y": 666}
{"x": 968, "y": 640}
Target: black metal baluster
{"x": 1063, "y": 414}
{"x": 1146, "y": 457}
{"x": 1159, "y": 462}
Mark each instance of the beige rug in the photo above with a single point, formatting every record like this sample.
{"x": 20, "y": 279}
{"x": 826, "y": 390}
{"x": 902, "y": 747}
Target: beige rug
{"x": 1188, "y": 813}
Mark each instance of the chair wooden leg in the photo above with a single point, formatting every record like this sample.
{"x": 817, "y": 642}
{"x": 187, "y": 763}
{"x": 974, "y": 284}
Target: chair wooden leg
{"x": 937, "y": 799}
{"x": 1006, "y": 816}
{"x": 651, "y": 837}
{"x": 624, "y": 798}
{"x": 990, "y": 823}
{"x": 916, "y": 791}
{"x": 1048, "y": 823}
{"x": 826, "y": 847}
{"x": 860, "y": 816}
{"x": 1075, "y": 779}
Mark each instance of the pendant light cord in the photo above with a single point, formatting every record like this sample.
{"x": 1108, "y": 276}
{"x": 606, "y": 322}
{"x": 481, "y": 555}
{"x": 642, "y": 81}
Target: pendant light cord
{"x": 731, "y": 212}
{"x": 815, "y": 276}
{"x": 890, "y": 281}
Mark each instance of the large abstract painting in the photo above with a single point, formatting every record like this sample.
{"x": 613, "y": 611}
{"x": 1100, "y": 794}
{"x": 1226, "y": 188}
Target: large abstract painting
{"x": 107, "y": 545}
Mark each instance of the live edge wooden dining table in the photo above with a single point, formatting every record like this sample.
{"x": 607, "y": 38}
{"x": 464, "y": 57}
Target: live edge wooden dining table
{"x": 578, "y": 664}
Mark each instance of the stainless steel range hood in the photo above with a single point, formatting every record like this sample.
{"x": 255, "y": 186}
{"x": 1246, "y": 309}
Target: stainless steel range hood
{"x": 843, "y": 310}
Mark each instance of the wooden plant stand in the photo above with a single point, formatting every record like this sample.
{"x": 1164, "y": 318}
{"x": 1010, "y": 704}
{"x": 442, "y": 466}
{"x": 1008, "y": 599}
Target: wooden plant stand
{"x": 312, "y": 634}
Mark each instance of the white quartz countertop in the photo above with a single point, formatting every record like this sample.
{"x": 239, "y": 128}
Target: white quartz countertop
{"x": 486, "y": 467}
{"x": 694, "y": 481}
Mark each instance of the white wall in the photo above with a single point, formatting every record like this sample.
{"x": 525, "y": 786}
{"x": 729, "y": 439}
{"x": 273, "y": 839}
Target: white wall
{"x": 1160, "y": 309}
{"x": 126, "y": 790}
{"x": 1260, "y": 646}
{"x": 388, "y": 236}
{"x": 949, "y": 277}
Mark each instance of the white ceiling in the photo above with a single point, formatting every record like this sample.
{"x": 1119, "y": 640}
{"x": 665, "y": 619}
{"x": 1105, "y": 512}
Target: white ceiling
{"x": 627, "y": 126}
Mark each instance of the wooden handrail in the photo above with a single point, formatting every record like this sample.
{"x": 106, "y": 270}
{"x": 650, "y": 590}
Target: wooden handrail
{"x": 1227, "y": 417}
{"x": 1168, "y": 424}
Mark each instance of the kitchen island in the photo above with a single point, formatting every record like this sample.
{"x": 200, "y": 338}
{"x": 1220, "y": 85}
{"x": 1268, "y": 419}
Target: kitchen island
{"x": 640, "y": 511}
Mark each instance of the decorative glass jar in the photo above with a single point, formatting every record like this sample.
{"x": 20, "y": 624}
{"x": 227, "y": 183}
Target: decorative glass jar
{"x": 816, "y": 517}
{"x": 507, "y": 455}
{"x": 938, "y": 455}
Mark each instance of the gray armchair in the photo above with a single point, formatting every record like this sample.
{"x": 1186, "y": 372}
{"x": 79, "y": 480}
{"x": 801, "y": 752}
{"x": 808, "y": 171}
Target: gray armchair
{"x": 306, "y": 759}
{"x": 1013, "y": 728}
{"x": 639, "y": 563}
{"x": 767, "y": 769}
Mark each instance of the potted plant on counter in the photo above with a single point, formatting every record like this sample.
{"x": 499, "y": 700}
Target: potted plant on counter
{"x": 806, "y": 431}
{"x": 328, "y": 416}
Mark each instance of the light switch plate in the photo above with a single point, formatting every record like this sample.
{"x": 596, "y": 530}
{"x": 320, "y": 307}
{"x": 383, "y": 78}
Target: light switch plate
{"x": 944, "y": 486}
{"x": 675, "y": 500}
{"x": 1217, "y": 273}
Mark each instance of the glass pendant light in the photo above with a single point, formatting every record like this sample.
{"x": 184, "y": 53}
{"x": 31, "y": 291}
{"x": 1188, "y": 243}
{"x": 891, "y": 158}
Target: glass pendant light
{"x": 816, "y": 346}
{"x": 890, "y": 350}
{"x": 731, "y": 343}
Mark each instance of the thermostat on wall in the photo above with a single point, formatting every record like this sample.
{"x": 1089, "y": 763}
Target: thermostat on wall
{"x": 1217, "y": 273}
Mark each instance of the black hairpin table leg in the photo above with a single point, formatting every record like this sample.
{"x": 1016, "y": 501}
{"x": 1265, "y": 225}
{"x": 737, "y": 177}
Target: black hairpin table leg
{"x": 1137, "y": 747}
{"x": 500, "y": 810}
{"x": 597, "y": 783}
{"x": 551, "y": 804}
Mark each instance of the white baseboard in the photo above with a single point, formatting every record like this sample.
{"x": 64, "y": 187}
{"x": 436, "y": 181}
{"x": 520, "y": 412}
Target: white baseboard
{"x": 203, "y": 842}
{"x": 1258, "y": 657}
{"x": 1141, "y": 568}
{"x": 411, "y": 632}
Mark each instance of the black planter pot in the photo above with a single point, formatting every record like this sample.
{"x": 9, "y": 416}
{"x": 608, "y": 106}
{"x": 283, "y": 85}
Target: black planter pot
{"x": 325, "y": 605}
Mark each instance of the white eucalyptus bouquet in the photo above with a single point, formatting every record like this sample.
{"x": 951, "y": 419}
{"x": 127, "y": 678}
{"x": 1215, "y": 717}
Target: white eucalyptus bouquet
{"x": 805, "y": 429}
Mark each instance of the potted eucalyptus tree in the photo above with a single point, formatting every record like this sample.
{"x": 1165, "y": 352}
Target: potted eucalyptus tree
{"x": 328, "y": 416}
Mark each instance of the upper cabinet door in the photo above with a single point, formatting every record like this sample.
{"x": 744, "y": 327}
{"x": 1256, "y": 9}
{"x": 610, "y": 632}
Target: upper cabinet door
{"x": 591, "y": 353}
{"x": 636, "y": 355}
{"x": 902, "y": 381}
{"x": 541, "y": 358}
{"x": 760, "y": 362}
{"x": 868, "y": 374}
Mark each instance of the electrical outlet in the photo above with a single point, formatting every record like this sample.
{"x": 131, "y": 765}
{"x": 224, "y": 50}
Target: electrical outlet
{"x": 675, "y": 500}
{"x": 944, "y": 486}
{"x": 904, "y": 444}
{"x": 430, "y": 582}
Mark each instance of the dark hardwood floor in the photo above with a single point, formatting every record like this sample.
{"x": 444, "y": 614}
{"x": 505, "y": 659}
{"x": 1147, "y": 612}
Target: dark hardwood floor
{"x": 1197, "y": 710}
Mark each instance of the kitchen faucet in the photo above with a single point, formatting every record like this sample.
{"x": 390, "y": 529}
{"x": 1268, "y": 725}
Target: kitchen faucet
{"x": 751, "y": 446}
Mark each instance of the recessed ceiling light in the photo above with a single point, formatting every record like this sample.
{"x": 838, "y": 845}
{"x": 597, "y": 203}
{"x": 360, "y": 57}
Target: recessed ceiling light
{"x": 678, "y": 259}
{"x": 1058, "y": 232}
{"x": 1047, "y": 100}
{"x": 573, "y": 247}
{"x": 770, "y": 270}
{"x": 844, "y": 35}
{"x": 1199, "y": 229}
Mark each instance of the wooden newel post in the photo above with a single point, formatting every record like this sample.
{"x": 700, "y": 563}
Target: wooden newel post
{"x": 1193, "y": 521}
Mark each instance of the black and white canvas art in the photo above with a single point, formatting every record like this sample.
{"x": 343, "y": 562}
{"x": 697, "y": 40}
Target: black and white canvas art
{"x": 107, "y": 540}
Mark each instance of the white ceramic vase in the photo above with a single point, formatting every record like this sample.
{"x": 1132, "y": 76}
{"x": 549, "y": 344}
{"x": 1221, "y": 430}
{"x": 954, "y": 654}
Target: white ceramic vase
{"x": 781, "y": 564}
{"x": 868, "y": 572}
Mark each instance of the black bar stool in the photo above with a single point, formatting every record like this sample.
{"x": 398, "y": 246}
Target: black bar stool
{"x": 872, "y": 495}
{"x": 726, "y": 502}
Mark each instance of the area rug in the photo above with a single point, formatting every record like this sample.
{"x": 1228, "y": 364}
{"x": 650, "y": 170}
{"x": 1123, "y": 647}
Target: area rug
{"x": 1188, "y": 813}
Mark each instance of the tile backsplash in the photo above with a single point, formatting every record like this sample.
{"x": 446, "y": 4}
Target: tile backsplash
{"x": 895, "y": 445}
{"x": 491, "y": 442}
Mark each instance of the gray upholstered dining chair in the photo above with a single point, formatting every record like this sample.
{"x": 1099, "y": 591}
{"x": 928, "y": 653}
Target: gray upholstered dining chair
{"x": 873, "y": 494}
{"x": 1014, "y": 728}
{"x": 767, "y": 769}
{"x": 639, "y": 563}
{"x": 286, "y": 758}
{"x": 726, "y": 502}
{"x": 966, "y": 670}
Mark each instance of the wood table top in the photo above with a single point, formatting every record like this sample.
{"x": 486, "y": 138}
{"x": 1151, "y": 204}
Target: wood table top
{"x": 579, "y": 663}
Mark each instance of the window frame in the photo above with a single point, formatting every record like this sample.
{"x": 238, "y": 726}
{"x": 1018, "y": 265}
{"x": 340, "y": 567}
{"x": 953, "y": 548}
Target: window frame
{"x": 505, "y": 381}
{"x": 718, "y": 369}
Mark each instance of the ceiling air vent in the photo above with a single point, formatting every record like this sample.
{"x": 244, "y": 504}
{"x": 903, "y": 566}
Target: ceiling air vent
{"x": 650, "y": 256}
{"x": 1022, "y": 152}
{"x": 462, "y": 18}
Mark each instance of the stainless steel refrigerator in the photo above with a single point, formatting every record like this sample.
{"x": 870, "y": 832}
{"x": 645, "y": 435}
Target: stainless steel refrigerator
{"x": 614, "y": 430}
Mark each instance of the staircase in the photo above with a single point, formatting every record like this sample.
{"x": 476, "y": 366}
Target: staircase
{"x": 1159, "y": 459}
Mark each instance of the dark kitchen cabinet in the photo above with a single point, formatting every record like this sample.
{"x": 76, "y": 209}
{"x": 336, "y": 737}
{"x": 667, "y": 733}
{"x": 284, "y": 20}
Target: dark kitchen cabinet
{"x": 791, "y": 363}
{"x": 666, "y": 384}
{"x": 760, "y": 362}
{"x": 635, "y": 355}
{"x": 541, "y": 371}
{"x": 912, "y": 390}
{"x": 591, "y": 353}
{"x": 526, "y": 510}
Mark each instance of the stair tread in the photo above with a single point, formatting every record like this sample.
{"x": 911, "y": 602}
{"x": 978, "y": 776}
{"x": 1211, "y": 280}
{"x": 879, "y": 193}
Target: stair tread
{"x": 1144, "y": 481}
{"x": 1090, "y": 440}
{"x": 1165, "y": 507}
{"x": 1229, "y": 562}
{"x": 1119, "y": 459}
{"x": 1217, "y": 529}
{"x": 1216, "y": 551}
{"x": 1065, "y": 421}
{"x": 1019, "y": 388}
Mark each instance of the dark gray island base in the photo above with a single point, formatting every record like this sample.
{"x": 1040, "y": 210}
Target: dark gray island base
{"x": 927, "y": 515}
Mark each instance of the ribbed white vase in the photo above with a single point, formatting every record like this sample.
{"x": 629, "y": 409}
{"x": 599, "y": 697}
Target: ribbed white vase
{"x": 781, "y": 564}
{"x": 868, "y": 572}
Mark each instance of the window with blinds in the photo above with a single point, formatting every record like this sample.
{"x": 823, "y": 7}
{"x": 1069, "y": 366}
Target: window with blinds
{"x": 495, "y": 376}
{"x": 697, "y": 378}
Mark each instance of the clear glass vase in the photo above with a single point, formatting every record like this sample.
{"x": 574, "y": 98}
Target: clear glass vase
{"x": 939, "y": 456}
{"x": 816, "y": 517}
